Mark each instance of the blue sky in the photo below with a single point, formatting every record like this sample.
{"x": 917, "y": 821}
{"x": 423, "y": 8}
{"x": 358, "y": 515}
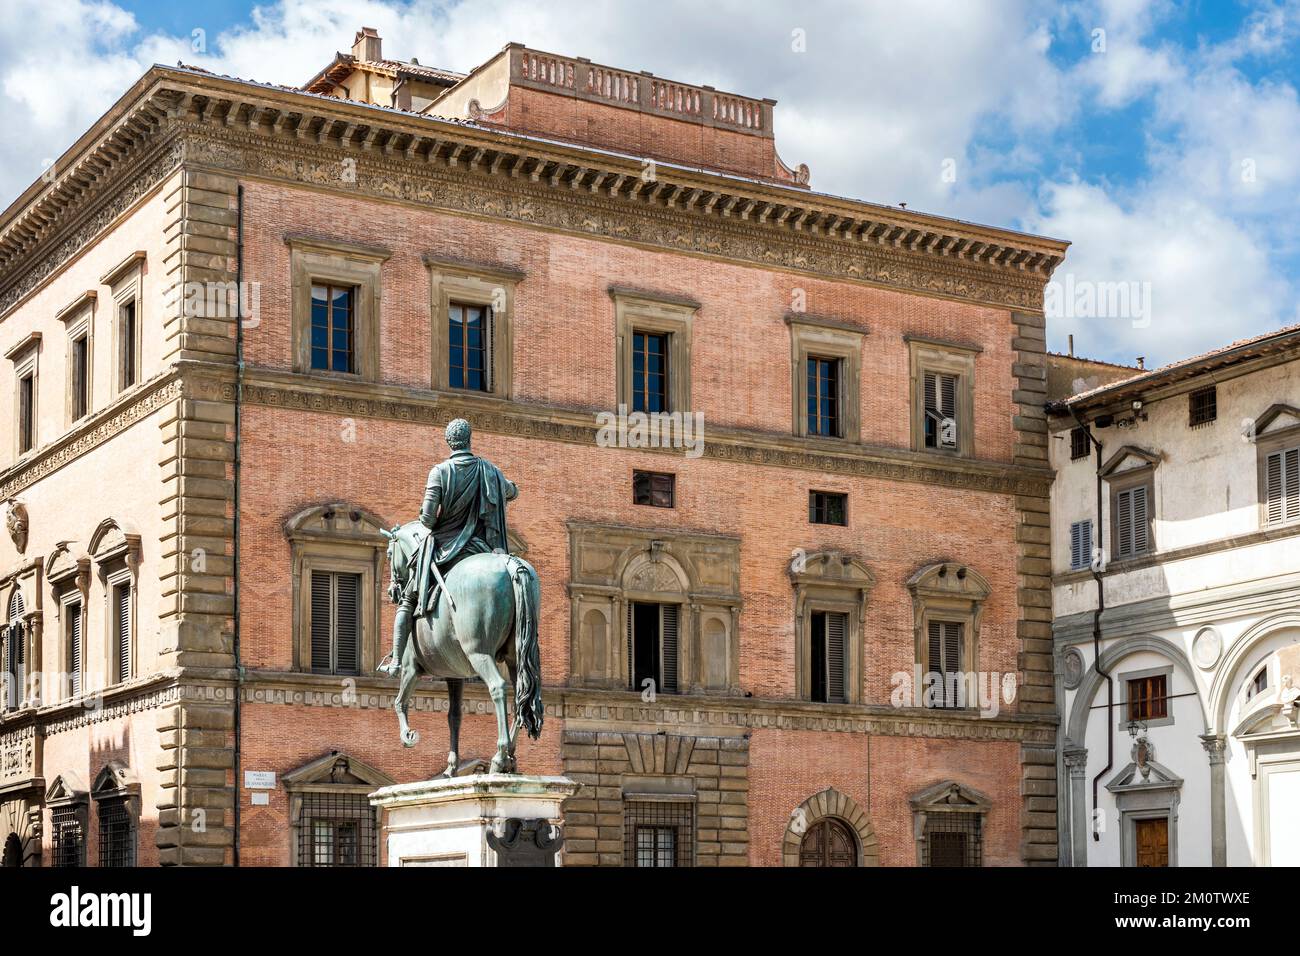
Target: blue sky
{"x": 1162, "y": 138}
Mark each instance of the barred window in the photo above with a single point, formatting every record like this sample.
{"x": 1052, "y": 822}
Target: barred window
{"x": 658, "y": 833}
{"x": 66, "y": 839}
{"x": 337, "y": 829}
{"x": 1078, "y": 443}
{"x": 1202, "y": 406}
{"x": 116, "y": 834}
{"x": 954, "y": 839}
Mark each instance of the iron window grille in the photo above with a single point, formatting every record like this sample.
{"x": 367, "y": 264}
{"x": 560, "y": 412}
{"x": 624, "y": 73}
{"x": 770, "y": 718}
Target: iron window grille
{"x": 1202, "y": 406}
{"x": 954, "y": 839}
{"x": 1078, "y": 443}
{"x": 116, "y": 834}
{"x": 337, "y": 829}
{"x": 658, "y": 833}
{"x": 67, "y": 838}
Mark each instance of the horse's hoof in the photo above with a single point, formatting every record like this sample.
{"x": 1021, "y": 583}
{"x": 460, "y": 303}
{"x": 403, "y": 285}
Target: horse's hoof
{"x": 410, "y": 738}
{"x": 498, "y": 766}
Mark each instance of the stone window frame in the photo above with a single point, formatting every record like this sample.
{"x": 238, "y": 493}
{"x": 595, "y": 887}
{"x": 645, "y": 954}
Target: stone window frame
{"x": 1167, "y": 671}
{"x": 472, "y": 283}
{"x": 949, "y": 358}
{"x": 674, "y": 316}
{"x": 78, "y": 318}
{"x": 834, "y": 805}
{"x": 1267, "y": 443}
{"x": 68, "y": 577}
{"x": 835, "y": 582}
{"x": 612, "y": 565}
{"x": 320, "y": 776}
{"x": 319, "y": 260}
{"x": 333, "y": 537}
{"x": 66, "y": 792}
{"x": 952, "y": 592}
{"x": 25, "y": 584}
{"x": 1117, "y": 481}
{"x": 115, "y": 783}
{"x": 115, "y": 550}
{"x": 814, "y": 336}
{"x": 126, "y": 286}
{"x": 948, "y": 796}
{"x": 669, "y": 789}
{"x": 25, "y": 357}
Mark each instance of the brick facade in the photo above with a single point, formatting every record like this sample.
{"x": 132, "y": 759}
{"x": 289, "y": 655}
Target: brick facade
{"x": 223, "y": 175}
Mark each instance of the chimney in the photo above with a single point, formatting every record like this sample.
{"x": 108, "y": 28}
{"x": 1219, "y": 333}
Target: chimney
{"x": 368, "y": 47}
{"x": 1072, "y": 345}
{"x": 1142, "y": 361}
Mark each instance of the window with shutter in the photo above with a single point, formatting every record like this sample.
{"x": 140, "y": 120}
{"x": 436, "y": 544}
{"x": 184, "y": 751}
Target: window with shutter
{"x": 26, "y": 413}
{"x": 941, "y": 410}
{"x": 828, "y": 637}
{"x": 73, "y": 612}
{"x": 14, "y": 662}
{"x": 653, "y": 636}
{"x": 1079, "y": 443}
{"x": 126, "y": 345}
{"x": 1081, "y": 545}
{"x": 945, "y": 640}
{"x": 1282, "y": 486}
{"x": 122, "y": 631}
{"x": 335, "y": 622}
{"x": 1133, "y": 521}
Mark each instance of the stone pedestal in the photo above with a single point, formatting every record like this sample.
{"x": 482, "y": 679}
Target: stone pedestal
{"x": 491, "y": 819}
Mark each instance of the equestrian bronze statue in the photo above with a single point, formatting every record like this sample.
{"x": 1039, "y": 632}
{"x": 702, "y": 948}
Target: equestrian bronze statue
{"x": 465, "y": 604}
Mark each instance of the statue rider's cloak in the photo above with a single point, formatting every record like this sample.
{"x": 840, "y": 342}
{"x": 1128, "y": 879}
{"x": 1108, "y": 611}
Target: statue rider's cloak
{"x": 465, "y": 509}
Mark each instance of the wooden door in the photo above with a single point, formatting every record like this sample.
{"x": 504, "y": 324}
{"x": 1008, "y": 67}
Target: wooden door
{"x": 828, "y": 843}
{"x": 1152, "y": 838}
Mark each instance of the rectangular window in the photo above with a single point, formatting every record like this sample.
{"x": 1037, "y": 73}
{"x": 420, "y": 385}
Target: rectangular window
{"x": 469, "y": 346}
{"x": 1079, "y": 443}
{"x": 15, "y": 666}
{"x": 827, "y": 507}
{"x": 649, "y": 372}
{"x": 26, "y": 413}
{"x": 954, "y": 839}
{"x": 941, "y": 410}
{"x": 1282, "y": 486}
{"x": 1202, "y": 406}
{"x": 654, "y": 488}
{"x": 121, "y": 609}
{"x": 66, "y": 840}
{"x": 829, "y": 629}
{"x": 658, "y": 833}
{"x": 337, "y": 829}
{"x": 335, "y": 622}
{"x": 127, "y": 334}
{"x": 945, "y": 646}
{"x": 1147, "y": 698}
{"x": 1081, "y": 545}
{"x": 823, "y": 396}
{"x": 1133, "y": 521}
{"x": 333, "y": 335}
{"x": 116, "y": 834}
{"x": 652, "y": 645}
{"x": 72, "y": 624}
{"x": 80, "y": 372}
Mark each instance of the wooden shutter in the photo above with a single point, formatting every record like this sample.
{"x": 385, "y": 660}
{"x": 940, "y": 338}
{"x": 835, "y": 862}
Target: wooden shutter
{"x": 1283, "y": 486}
{"x": 944, "y": 639}
{"x": 321, "y": 658}
{"x": 74, "y": 647}
{"x": 836, "y": 626}
{"x": 347, "y": 618}
{"x": 668, "y": 647}
{"x": 931, "y": 389}
{"x": 122, "y": 629}
{"x": 1140, "y": 519}
{"x": 1080, "y": 544}
{"x": 631, "y": 650}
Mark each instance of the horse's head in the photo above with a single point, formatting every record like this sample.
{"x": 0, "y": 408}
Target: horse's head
{"x": 403, "y": 541}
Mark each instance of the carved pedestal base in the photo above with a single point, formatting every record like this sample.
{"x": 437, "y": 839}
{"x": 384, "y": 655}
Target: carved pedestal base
{"x": 491, "y": 819}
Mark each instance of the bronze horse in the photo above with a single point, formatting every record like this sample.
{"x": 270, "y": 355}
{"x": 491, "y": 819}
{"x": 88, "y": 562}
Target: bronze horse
{"x": 495, "y": 597}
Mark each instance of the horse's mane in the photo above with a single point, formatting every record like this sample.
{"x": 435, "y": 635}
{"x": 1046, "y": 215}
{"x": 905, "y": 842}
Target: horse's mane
{"x": 405, "y": 540}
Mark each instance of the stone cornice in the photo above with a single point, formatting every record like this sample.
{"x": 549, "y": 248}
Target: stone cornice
{"x": 291, "y": 136}
{"x": 671, "y": 712}
{"x": 397, "y": 403}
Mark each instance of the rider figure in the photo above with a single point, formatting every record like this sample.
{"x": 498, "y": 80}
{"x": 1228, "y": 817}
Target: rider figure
{"x": 465, "y": 511}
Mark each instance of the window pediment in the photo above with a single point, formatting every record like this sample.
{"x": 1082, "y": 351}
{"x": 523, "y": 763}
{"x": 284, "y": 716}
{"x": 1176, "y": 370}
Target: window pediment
{"x": 1276, "y": 418}
{"x": 950, "y": 796}
{"x": 63, "y": 566}
{"x": 113, "y": 540}
{"x": 65, "y": 788}
{"x": 949, "y": 580}
{"x": 115, "y": 780}
{"x": 336, "y": 521}
{"x": 834, "y": 569}
{"x": 336, "y": 770}
{"x": 1130, "y": 458}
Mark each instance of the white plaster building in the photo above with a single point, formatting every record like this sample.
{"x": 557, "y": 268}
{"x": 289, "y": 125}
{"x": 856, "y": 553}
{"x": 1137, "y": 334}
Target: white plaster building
{"x": 1177, "y": 496}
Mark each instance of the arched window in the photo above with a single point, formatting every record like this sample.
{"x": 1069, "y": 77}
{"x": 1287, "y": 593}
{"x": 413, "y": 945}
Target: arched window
{"x": 828, "y": 842}
{"x": 13, "y": 854}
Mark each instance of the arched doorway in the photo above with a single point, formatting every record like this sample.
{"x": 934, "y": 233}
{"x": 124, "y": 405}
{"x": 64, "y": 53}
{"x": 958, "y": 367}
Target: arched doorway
{"x": 828, "y": 842}
{"x": 13, "y": 855}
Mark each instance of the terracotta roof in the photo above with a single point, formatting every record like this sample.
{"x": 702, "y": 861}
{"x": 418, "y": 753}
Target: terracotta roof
{"x": 1238, "y": 351}
{"x": 1090, "y": 361}
{"x": 345, "y": 63}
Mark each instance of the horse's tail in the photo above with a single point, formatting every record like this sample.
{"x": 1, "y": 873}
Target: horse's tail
{"x": 528, "y": 689}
